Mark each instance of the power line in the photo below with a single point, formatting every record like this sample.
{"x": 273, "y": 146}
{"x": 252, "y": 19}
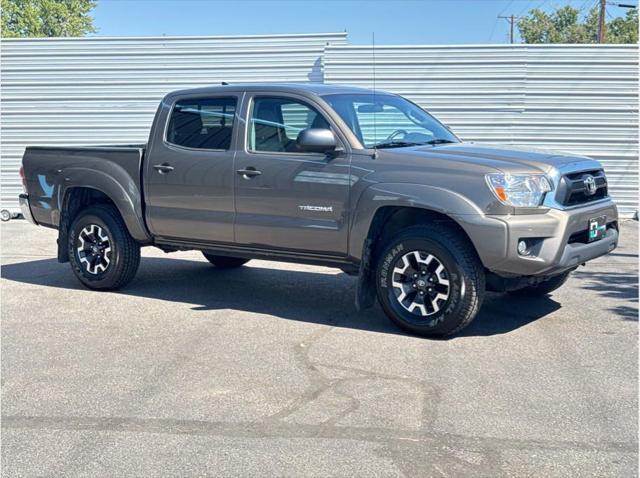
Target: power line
{"x": 526, "y": 7}
{"x": 587, "y": 2}
{"x": 530, "y": 7}
{"x": 542, "y": 4}
{"x": 493, "y": 29}
{"x": 506, "y": 8}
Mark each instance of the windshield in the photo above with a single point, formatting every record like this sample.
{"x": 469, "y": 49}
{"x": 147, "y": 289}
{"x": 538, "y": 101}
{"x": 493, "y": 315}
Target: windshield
{"x": 398, "y": 122}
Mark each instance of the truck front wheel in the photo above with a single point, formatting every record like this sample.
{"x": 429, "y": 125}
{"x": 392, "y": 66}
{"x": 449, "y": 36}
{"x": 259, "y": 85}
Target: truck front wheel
{"x": 430, "y": 280}
{"x": 102, "y": 253}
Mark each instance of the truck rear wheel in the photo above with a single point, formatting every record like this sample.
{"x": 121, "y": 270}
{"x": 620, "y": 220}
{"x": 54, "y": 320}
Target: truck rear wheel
{"x": 543, "y": 288}
{"x": 224, "y": 262}
{"x": 102, "y": 253}
{"x": 430, "y": 280}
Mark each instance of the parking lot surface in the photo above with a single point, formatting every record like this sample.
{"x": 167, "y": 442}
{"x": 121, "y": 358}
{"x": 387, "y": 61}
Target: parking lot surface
{"x": 268, "y": 370}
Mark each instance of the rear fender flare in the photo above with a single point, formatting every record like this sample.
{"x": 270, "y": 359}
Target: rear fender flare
{"x": 118, "y": 186}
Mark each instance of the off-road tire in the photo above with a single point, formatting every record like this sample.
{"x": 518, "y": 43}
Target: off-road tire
{"x": 224, "y": 262}
{"x": 543, "y": 288}
{"x": 462, "y": 268}
{"x": 123, "y": 255}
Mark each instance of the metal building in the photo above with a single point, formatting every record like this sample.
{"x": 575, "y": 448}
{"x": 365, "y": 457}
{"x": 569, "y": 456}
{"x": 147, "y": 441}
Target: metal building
{"x": 79, "y": 91}
{"x": 581, "y": 99}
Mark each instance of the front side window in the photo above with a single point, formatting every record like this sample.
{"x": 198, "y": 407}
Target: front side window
{"x": 276, "y": 122}
{"x": 203, "y": 123}
{"x": 388, "y": 121}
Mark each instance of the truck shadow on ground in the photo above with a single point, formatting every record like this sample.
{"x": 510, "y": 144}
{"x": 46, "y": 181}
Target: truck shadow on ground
{"x": 308, "y": 296}
{"x": 622, "y": 286}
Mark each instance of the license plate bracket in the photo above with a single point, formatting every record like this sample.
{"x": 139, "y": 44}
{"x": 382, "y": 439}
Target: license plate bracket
{"x": 597, "y": 228}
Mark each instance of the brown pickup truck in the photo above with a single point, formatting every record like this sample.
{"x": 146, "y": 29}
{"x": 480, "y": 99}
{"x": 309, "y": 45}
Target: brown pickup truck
{"x": 344, "y": 177}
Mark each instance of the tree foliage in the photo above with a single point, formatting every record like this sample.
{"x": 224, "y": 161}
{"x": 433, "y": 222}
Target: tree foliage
{"x": 566, "y": 25}
{"x": 46, "y": 18}
{"x": 624, "y": 30}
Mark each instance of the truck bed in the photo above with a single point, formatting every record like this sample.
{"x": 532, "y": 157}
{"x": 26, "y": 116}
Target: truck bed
{"x": 50, "y": 170}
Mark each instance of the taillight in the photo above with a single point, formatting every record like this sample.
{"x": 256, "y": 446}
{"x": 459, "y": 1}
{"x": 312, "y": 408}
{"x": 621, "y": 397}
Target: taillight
{"x": 24, "y": 180}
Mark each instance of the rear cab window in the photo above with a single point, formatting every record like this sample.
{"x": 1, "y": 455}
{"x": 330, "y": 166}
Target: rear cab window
{"x": 202, "y": 123}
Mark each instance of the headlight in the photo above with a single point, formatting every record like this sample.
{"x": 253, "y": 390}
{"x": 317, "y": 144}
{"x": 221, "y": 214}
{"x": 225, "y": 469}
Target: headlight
{"x": 519, "y": 190}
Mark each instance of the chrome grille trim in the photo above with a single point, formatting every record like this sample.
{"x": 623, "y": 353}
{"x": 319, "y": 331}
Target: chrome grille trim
{"x": 556, "y": 175}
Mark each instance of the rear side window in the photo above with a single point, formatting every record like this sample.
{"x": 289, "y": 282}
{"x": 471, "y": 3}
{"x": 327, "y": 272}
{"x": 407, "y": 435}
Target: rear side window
{"x": 202, "y": 123}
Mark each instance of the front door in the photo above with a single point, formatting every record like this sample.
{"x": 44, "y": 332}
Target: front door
{"x": 189, "y": 174}
{"x": 286, "y": 198}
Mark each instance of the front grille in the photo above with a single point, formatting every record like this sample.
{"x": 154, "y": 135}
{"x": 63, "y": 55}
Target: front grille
{"x": 573, "y": 190}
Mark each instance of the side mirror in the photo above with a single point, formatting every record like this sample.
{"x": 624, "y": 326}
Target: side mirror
{"x": 316, "y": 140}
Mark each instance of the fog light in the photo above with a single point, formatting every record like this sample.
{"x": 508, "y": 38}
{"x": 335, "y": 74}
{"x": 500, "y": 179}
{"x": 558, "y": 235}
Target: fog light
{"x": 522, "y": 248}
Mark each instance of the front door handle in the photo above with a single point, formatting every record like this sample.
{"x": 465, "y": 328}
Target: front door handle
{"x": 163, "y": 168}
{"x": 249, "y": 173}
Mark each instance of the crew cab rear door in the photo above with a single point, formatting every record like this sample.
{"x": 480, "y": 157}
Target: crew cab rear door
{"x": 189, "y": 170}
{"x": 286, "y": 198}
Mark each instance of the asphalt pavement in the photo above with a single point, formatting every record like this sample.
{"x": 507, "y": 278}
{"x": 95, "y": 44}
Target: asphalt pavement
{"x": 268, "y": 370}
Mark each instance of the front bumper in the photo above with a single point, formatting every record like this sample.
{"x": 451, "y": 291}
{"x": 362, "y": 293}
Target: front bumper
{"x": 559, "y": 236}
{"x": 25, "y": 208}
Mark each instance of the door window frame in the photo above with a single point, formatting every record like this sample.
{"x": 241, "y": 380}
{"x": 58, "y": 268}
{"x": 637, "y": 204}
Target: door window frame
{"x": 341, "y": 143}
{"x": 234, "y": 127}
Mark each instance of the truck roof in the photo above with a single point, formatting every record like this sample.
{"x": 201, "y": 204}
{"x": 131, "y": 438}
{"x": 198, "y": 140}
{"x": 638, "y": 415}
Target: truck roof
{"x": 319, "y": 89}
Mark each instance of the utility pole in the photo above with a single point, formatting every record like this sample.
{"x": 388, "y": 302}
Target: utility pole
{"x": 602, "y": 25}
{"x": 512, "y": 21}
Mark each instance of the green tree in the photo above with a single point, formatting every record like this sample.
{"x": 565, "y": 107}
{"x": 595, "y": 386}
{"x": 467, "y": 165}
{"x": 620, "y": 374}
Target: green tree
{"x": 624, "y": 30}
{"x": 46, "y": 18}
{"x": 565, "y": 25}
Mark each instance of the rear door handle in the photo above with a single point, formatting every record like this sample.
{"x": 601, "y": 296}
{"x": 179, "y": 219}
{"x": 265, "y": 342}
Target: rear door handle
{"x": 163, "y": 168}
{"x": 249, "y": 173}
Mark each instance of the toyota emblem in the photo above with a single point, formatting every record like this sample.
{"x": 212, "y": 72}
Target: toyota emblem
{"x": 590, "y": 185}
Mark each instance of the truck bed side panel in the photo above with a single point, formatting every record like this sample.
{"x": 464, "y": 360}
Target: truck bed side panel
{"x": 50, "y": 172}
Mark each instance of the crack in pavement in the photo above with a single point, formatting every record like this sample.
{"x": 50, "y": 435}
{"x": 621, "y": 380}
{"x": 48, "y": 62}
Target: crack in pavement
{"x": 272, "y": 429}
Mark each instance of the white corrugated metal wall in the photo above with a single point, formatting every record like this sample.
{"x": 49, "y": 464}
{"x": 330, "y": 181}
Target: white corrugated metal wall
{"x": 581, "y": 99}
{"x": 576, "y": 98}
{"x": 106, "y": 90}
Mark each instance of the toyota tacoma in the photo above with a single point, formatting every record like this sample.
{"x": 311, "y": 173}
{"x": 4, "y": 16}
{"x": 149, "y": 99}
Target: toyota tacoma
{"x": 361, "y": 180}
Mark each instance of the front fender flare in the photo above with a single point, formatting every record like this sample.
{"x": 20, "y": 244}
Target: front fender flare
{"x": 419, "y": 196}
{"x": 382, "y": 195}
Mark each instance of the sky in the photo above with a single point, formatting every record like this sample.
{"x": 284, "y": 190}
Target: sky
{"x": 393, "y": 21}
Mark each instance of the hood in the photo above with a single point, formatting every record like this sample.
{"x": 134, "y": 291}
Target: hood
{"x": 510, "y": 159}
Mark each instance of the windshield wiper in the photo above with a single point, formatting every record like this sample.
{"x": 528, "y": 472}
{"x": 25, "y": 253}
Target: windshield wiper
{"x": 403, "y": 144}
{"x": 439, "y": 141}
{"x": 396, "y": 144}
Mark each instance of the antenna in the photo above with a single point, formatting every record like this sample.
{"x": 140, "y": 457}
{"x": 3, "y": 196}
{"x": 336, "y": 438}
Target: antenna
{"x": 375, "y": 130}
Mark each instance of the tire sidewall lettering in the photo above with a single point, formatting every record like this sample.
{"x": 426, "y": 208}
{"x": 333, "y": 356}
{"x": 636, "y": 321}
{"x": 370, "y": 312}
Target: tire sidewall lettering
{"x": 387, "y": 263}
